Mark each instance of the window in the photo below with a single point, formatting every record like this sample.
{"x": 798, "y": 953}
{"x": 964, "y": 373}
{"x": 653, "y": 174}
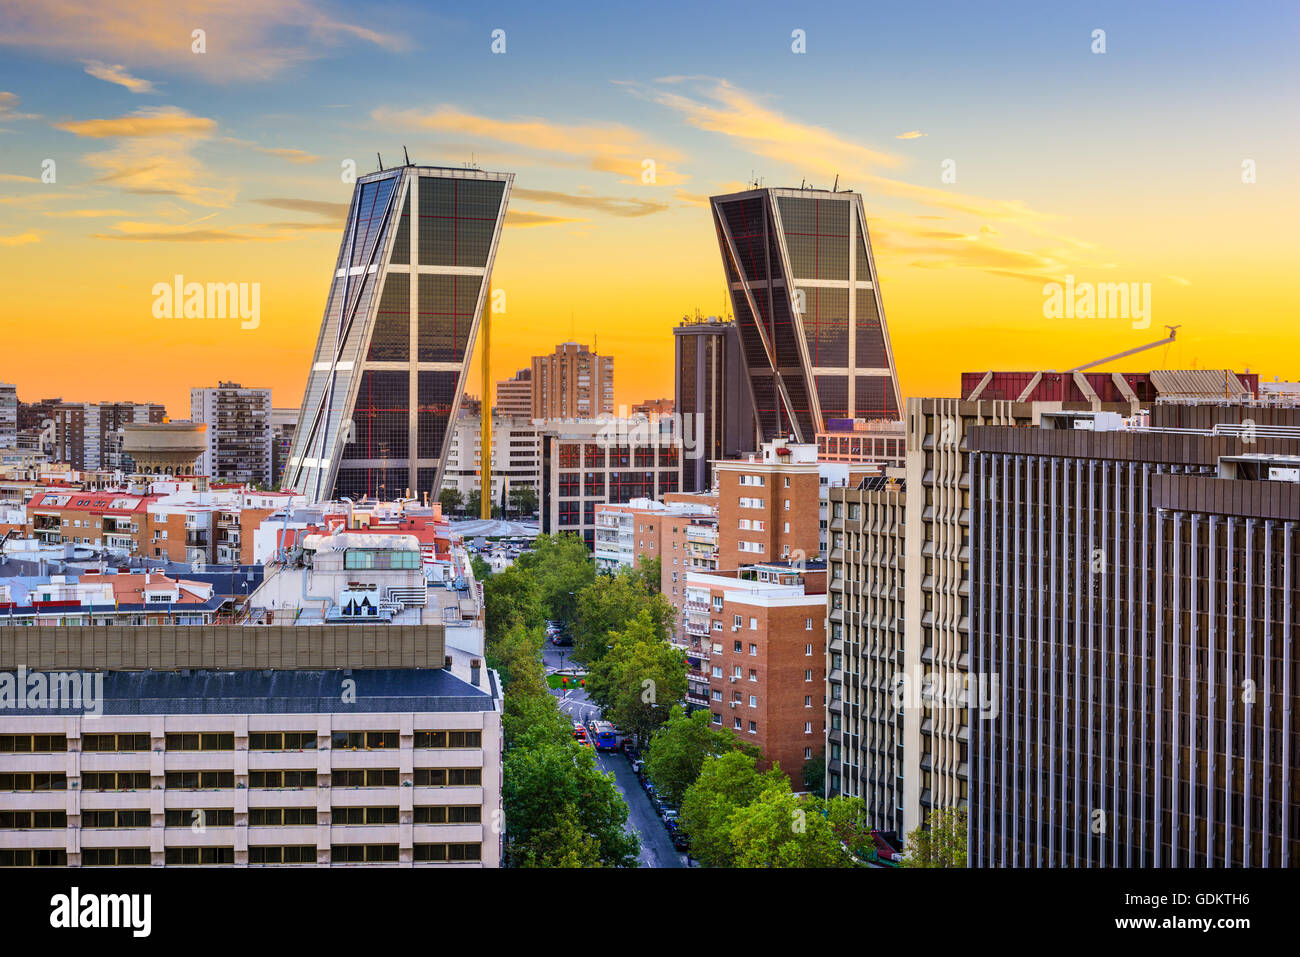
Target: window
{"x": 736, "y": 723}
{"x": 753, "y": 649}
{"x": 368, "y": 740}
{"x": 448, "y": 777}
{"x": 32, "y": 743}
{"x": 32, "y": 820}
{"x": 448, "y": 739}
{"x": 449, "y": 814}
{"x": 117, "y": 818}
{"x": 291, "y": 854}
{"x": 282, "y": 741}
{"x": 753, "y": 675}
{"x": 717, "y": 718}
{"x": 385, "y": 559}
{"x": 200, "y": 817}
{"x": 807, "y": 754}
{"x": 109, "y": 781}
{"x": 115, "y": 857}
{"x": 447, "y": 852}
{"x": 282, "y": 817}
{"x": 753, "y": 701}
{"x": 717, "y": 671}
{"x": 737, "y": 621}
{"x": 753, "y": 624}
{"x": 807, "y": 701}
{"x": 807, "y": 727}
{"x": 114, "y": 742}
{"x": 365, "y": 778}
{"x": 363, "y": 853}
{"x": 182, "y": 856}
{"x": 33, "y": 858}
{"x": 753, "y": 727}
{"x": 282, "y": 779}
{"x": 201, "y": 742}
{"x": 35, "y": 782}
{"x": 194, "y": 780}
{"x": 807, "y": 675}
{"x": 363, "y": 815}
{"x": 807, "y": 650}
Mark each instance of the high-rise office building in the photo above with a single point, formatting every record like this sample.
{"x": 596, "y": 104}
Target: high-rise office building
{"x": 802, "y": 277}
{"x": 1135, "y": 592}
{"x": 713, "y": 397}
{"x": 573, "y": 382}
{"x": 407, "y": 294}
{"x": 239, "y": 432}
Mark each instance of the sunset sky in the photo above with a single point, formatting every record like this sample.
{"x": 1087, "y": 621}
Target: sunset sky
{"x": 224, "y": 166}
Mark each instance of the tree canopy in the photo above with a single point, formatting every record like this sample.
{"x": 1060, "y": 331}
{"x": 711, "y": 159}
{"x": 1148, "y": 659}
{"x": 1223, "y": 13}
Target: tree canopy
{"x": 677, "y": 751}
{"x": 639, "y": 679}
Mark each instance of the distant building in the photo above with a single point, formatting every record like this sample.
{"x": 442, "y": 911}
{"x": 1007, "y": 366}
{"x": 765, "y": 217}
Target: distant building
{"x": 86, "y": 435}
{"x": 239, "y": 432}
{"x": 514, "y": 397}
{"x": 8, "y": 416}
{"x": 284, "y": 422}
{"x": 653, "y": 407}
{"x": 590, "y": 462}
{"x": 516, "y": 456}
{"x": 768, "y": 506}
{"x": 713, "y": 396}
{"x": 572, "y": 383}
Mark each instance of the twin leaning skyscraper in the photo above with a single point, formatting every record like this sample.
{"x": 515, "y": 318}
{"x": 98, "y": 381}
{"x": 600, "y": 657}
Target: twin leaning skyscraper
{"x": 412, "y": 280}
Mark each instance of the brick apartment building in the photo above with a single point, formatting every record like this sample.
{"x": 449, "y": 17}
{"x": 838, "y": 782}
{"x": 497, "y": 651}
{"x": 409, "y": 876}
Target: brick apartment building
{"x": 766, "y": 629}
{"x": 768, "y": 506}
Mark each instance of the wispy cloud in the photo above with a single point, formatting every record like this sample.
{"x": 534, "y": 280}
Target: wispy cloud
{"x": 154, "y": 154}
{"x": 116, "y": 73}
{"x": 317, "y": 206}
{"x": 246, "y": 40}
{"x": 519, "y": 218}
{"x": 614, "y": 205}
{"x": 603, "y": 147}
{"x": 910, "y": 135}
{"x": 18, "y": 178}
{"x": 289, "y": 154}
{"x": 84, "y": 213}
{"x": 9, "y": 108}
{"x": 21, "y": 239}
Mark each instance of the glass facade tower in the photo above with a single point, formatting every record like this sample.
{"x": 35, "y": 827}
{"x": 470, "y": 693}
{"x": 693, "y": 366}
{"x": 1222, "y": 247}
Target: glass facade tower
{"x": 802, "y": 279}
{"x": 409, "y": 287}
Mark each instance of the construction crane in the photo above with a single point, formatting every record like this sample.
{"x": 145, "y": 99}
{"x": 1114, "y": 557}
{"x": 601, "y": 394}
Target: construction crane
{"x": 1121, "y": 355}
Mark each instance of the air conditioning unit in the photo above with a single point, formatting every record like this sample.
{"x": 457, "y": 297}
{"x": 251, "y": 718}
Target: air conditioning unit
{"x": 732, "y": 679}
{"x": 735, "y": 703}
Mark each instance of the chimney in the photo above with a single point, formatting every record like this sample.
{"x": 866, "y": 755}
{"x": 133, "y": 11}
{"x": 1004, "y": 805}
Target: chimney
{"x": 475, "y": 666}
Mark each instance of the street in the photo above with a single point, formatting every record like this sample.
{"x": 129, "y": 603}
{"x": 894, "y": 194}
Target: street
{"x": 656, "y": 847}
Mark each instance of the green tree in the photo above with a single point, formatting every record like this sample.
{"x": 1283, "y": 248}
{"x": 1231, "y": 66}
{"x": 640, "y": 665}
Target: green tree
{"x": 511, "y": 597}
{"x": 848, "y": 819}
{"x": 814, "y": 775}
{"x": 725, "y": 784}
{"x": 607, "y": 605}
{"x": 517, "y": 656}
{"x": 640, "y": 678}
{"x": 523, "y": 499}
{"x": 649, "y": 572}
{"x": 563, "y": 844}
{"x": 451, "y": 500}
{"x": 562, "y": 567}
{"x": 543, "y": 785}
{"x": 781, "y": 830}
{"x": 941, "y": 842}
{"x": 677, "y": 751}
{"x": 482, "y": 570}
{"x": 473, "y": 503}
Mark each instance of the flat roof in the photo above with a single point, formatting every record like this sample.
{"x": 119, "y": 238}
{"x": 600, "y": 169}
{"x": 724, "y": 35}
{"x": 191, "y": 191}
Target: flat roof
{"x": 281, "y": 692}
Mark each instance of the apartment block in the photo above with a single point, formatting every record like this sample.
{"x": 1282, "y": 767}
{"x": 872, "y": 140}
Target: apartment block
{"x": 767, "y": 662}
{"x": 516, "y": 456}
{"x": 768, "y": 505}
{"x": 8, "y": 416}
{"x": 572, "y": 383}
{"x": 864, "y": 651}
{"x": 254, "y": 769}
{"x": 239, "y": 432}
{"x": 514, "y": 396}
{"x": 1135, "y": 592}
{"x": 639, "y": 530}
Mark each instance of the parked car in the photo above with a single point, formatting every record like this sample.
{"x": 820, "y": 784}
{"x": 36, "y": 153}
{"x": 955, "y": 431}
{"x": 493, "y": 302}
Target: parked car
{"x": 670, "y": 816}
{"x": 679, "y": 840}
{"x": 562, "y": 641}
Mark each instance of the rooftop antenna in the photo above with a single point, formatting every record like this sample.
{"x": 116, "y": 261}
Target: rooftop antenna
{"x": 406, "y": 155}
{"x": 836, "y": 187}
{"x": 381, "y": 161}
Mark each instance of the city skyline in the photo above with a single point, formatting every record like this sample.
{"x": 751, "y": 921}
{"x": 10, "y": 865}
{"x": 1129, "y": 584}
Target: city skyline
{"x": 224, "y": 167}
